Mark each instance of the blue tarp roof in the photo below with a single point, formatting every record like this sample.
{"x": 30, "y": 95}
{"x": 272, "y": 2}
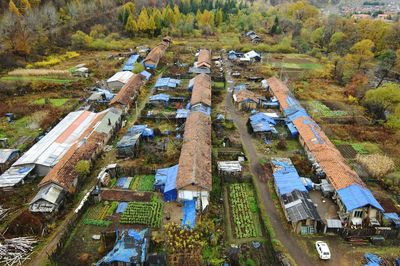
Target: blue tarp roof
{"x": 372, "y": 259}
{"x": 134, "y": 251}
{"x": 160, "y": 97}
{"x": 286, "y": 177}
{"x": 260, "y": 122}
{"x": 131, "y": 61}
{"x": 167, "y": 82}
{"x": 146, "y": 74}
{"x": 167, "y": 177}
{"x": 128, "y": 140}
{"x": 356, "y": 196}
{"x": 238, "y": 88}
{"x": 292, "y": 129}
{"x": 141, "y": 129}
{"x": 189, "y": 213}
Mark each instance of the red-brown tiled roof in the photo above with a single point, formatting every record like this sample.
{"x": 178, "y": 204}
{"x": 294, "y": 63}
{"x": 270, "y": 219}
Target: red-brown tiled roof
{"x": 129, "y": 91}
{"x": 243, "y": 95}
{"x": 201, "y": 92}
{"x": 63, "y": 173}
{"x": 337, "y": 171}
{"x": 204, "y": 59}
{"x": 195, "y": 159}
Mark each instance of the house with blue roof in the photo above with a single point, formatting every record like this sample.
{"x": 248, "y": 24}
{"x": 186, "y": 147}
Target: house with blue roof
{"x": 165, "y": 181}
{"x": 262, "y": 125}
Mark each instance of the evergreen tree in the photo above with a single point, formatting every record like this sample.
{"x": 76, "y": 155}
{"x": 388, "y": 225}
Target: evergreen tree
{"x": 131, "y": 25}
{"x": 218, "y": 18}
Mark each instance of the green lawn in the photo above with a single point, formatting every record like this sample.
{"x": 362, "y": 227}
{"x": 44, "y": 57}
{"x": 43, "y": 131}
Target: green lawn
{"x": 31, "y": 78}
{"x": 54, "y": 102}
{"x": 361, "y": 147}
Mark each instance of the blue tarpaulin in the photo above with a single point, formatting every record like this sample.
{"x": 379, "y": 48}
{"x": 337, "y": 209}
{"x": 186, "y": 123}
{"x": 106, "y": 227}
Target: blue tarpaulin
{"x": 392, "y": 217}
{"x": 130, "y": 248}
{"x": 292, "y": 129}
{"x": 121, "y": 182}
{"x": 189, "y": 213}
{"x": 286, "y": 177}
{"x": 121, "y": 207}
{"x": 146, "y": 74}
{"x": 129, "y": 65}
{"x": 372, "y": 259}
{"x": 167, "y": 82}
{"x": 356, "y": 196}
{"x": 260, "y": 122}
{"x": 165, "y": 180}
{"x": 143, "y": 130}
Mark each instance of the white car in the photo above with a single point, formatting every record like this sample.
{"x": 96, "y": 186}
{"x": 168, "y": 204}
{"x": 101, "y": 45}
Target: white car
{"x": 323, "y": 250}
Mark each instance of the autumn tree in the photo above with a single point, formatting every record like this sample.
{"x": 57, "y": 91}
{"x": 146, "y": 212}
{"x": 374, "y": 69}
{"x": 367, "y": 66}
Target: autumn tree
{"x": 387, "y": 61}
{"x": 383, "y": 99}
{"x": 82, "y": 168}
{"x": 357, "y": 86}
{"x": 359, "y": 59}
{"x": 126, "y": 11}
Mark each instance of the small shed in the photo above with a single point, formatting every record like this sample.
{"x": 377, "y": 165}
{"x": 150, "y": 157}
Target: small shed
{"x": 252, "y": 56}
{"x": 167, "y": 83}
{"x": 261, "y": 124}
{"x": 7, "y": 158}
{"x": 48, "y": 199}
{"x": 182, "y": 113}
{"x": 300, "y": 212}
{"x": 159, "y": 99}
{"x": 119, "y": 79}
{"x": 229, "y": 168}
{"x": 128, "y": 146}
{"x": 332, "y": 226}
{"x": 246, "y": 100}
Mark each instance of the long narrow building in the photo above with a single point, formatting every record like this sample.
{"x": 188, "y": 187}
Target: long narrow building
{"x": 46, "y": 153}
{"x": 355, "y": 200}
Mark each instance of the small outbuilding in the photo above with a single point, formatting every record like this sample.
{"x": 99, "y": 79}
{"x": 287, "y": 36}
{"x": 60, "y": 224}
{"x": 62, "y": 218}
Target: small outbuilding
{"x": 119, "y": 79}
{"x": 167, "y": 83}
{"x": 48, "y": 199}
{"x": 159, "y": 99}
{"x": 129, "y": 65}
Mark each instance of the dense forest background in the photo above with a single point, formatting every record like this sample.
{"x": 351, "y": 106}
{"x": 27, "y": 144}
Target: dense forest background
{"x": 357, "y": 54}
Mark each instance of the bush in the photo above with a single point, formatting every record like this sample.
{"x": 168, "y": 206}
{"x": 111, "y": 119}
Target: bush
{"x": 377, "y": 165}
{"x": 282, "y": 145}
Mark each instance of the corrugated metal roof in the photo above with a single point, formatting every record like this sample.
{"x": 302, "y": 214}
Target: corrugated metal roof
{"x": 14, "y": 175}
{"x": 5, "y": 154}
{"x": 122, "y": 76}
{"x": 167, "y": 82}
{"x": 160, "y": 97}
{"x": 299, "y": 206}
{"x": 182, "y": 113}
{"x": 54, "y": 144}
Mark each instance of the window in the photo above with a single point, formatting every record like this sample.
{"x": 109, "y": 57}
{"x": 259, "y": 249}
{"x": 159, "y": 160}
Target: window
{"x": 358, "y": 214}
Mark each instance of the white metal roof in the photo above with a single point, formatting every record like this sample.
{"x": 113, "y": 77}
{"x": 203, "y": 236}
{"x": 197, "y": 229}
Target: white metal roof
{"x": 122, "y": 76}
{"x": 49, "y": 150}
{"x": 48, "y": 193}
{"x": 229, "y": 166}
{"x": 14, "y": 175}
{"x": 251, "y": 54}
{"x": 5, "y": 154}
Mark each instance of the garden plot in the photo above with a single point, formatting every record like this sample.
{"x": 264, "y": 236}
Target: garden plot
{"x": 144, "y": 213}
{"x": 244, "y": 211}
{"x": 142, "y": 183}
{"x": 97, "y": 214}
{"x": 318, "y": 109}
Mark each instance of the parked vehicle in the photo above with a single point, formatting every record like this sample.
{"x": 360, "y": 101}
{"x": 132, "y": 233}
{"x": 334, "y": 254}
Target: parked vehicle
{"x": 323, "y": 250}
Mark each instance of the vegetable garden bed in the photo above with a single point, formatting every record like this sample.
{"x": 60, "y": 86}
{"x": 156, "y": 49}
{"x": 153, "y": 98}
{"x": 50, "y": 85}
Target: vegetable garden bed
{"x": 244, "y": 210}
{"x": 146, "y": 213}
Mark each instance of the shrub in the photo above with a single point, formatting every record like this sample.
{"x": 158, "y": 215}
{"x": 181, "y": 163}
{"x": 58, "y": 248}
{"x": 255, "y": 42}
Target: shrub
{"x": 377, "y": 165}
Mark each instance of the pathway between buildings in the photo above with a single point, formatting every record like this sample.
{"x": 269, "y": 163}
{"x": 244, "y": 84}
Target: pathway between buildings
{"x": 283, "y": 235}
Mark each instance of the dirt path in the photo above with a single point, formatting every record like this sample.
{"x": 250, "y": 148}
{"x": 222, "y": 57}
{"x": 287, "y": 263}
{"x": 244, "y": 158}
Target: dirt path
{"x": 284, "y": 236}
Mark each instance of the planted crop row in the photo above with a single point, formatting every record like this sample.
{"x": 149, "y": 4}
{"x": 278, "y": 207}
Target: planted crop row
{"x": 146, "y": 183}
{"x": 241, "y": 212}
{"x": 97, "y": 222}
{"x": 147, "y": 213}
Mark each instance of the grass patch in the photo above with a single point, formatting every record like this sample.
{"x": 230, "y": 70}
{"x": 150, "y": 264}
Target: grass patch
{"x": 219, "y": 85}
{"x": 33, "y": 78}
{"x": 319, "y": 109}
{"x": 54, "y": 102}
{"x": 299, "y": 66}
{"x": 360, "y": 147}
